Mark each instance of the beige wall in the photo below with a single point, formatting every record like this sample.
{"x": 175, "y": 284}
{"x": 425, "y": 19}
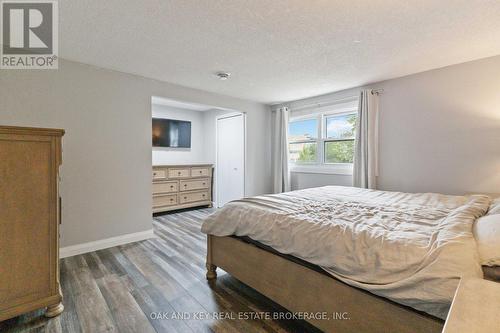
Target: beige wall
{"x": 439, "y": 131}
{"x": 106, "y": 183}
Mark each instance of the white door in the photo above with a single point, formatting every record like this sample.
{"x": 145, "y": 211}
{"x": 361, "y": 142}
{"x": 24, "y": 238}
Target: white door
{"x": 230, "y": 158}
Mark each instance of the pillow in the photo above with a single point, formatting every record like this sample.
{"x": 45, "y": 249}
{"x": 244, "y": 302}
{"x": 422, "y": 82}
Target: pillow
{"x": 494, "y": 207}
{"x": 486, "y": 230}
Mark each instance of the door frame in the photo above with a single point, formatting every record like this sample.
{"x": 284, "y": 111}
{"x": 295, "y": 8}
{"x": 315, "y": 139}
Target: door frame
{"x": 216, "y": 178}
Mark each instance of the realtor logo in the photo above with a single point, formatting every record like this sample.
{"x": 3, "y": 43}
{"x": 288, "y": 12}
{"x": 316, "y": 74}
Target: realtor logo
{"x": 29, "y": 36}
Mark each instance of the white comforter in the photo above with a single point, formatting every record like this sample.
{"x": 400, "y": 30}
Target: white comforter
{"x": 410, "y": 248}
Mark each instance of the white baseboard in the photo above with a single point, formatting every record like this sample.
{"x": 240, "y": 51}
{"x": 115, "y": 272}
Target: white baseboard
{"x": 74, "y": 250}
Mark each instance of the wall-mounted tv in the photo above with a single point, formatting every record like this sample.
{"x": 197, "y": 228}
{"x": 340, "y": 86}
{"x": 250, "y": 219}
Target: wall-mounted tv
{"x": 171, "y": 133}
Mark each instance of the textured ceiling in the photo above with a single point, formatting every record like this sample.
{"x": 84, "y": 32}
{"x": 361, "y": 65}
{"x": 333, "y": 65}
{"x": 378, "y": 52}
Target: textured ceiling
{"x": 277, "y": 50}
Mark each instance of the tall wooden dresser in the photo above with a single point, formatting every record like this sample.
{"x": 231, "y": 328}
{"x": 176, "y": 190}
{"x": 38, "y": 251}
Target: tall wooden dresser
{"x": 181, "y": 186}
{"x": 29, "y": 220}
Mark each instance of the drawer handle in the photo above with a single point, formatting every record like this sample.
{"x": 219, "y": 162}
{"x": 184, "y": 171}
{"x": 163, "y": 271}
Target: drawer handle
{"x": 171, "y": 186}
{"x": 203, "y": 195}
{"x": 203, "y": 183}
{"x": 154, "y": 174}
{"x": 179, "y": 173}
{"x": 185, "y": 197}
{"x": 201, "y": 171}
{"x": 171, "y": 199}
{"x": 185, "y": 185}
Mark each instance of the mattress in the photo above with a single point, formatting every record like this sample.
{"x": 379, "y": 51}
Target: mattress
{"x": 409, "y": 248}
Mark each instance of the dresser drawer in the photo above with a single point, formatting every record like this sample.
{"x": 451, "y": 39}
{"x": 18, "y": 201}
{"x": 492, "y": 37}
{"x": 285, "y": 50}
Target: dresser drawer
{"x": 159, "y": 174}
{"x": 178, "y": 173}
{"x": 200, "y": 172}
{"x": 192, "y": 197}
{"x": 165, "y": 200}
{"x": 199, "y": 184}
{"x": 165, "y": 187}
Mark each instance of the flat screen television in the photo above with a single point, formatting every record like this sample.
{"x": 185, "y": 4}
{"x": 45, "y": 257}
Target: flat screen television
{"x": 171, "y": 133}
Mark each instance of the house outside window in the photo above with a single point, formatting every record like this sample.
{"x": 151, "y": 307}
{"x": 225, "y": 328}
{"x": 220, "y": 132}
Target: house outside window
{"x": 303, "y": 140}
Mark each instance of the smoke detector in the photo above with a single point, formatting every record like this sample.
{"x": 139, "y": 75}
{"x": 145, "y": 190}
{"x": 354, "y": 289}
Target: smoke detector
{"x": 223, "y": 75}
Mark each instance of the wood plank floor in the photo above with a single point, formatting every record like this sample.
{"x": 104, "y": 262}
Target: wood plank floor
{"x": 126, "y": 289}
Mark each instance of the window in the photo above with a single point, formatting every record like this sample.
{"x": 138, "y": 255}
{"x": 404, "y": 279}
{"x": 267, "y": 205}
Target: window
{"x": 323, "y": 142}
{"x": 303, "y": 138}
{"x": 339, "y": 138}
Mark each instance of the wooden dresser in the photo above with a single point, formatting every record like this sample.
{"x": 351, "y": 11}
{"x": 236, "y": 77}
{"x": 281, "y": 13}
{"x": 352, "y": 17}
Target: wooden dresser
{"x": 181, "y": 186}
{"x": 29, "y": 221}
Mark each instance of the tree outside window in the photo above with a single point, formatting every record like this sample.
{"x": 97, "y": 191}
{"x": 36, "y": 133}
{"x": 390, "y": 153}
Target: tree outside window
{"x": 340, "y": 135}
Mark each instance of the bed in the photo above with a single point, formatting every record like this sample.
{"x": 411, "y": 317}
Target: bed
{"x": 377, "y": 261}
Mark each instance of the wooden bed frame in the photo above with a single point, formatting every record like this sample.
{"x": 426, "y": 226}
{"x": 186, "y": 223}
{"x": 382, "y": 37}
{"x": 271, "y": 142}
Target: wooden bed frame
{"x": 301, "y": 289}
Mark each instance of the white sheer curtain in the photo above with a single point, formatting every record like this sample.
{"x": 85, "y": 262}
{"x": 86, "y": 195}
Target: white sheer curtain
{"x": 281, "y": 174}
{"x": 366, "y": 152}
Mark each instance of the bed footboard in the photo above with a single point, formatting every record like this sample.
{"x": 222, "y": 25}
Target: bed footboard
{"x": 300, "y": 289}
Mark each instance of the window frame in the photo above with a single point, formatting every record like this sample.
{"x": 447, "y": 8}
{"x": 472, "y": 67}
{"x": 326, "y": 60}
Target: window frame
{"x": 324, "y": 135}
{"x": 316, "y": 141}
{"x": 320, "y": 165}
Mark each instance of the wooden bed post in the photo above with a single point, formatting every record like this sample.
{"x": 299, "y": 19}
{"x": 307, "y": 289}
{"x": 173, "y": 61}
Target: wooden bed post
{"x": 211, "y": 268}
